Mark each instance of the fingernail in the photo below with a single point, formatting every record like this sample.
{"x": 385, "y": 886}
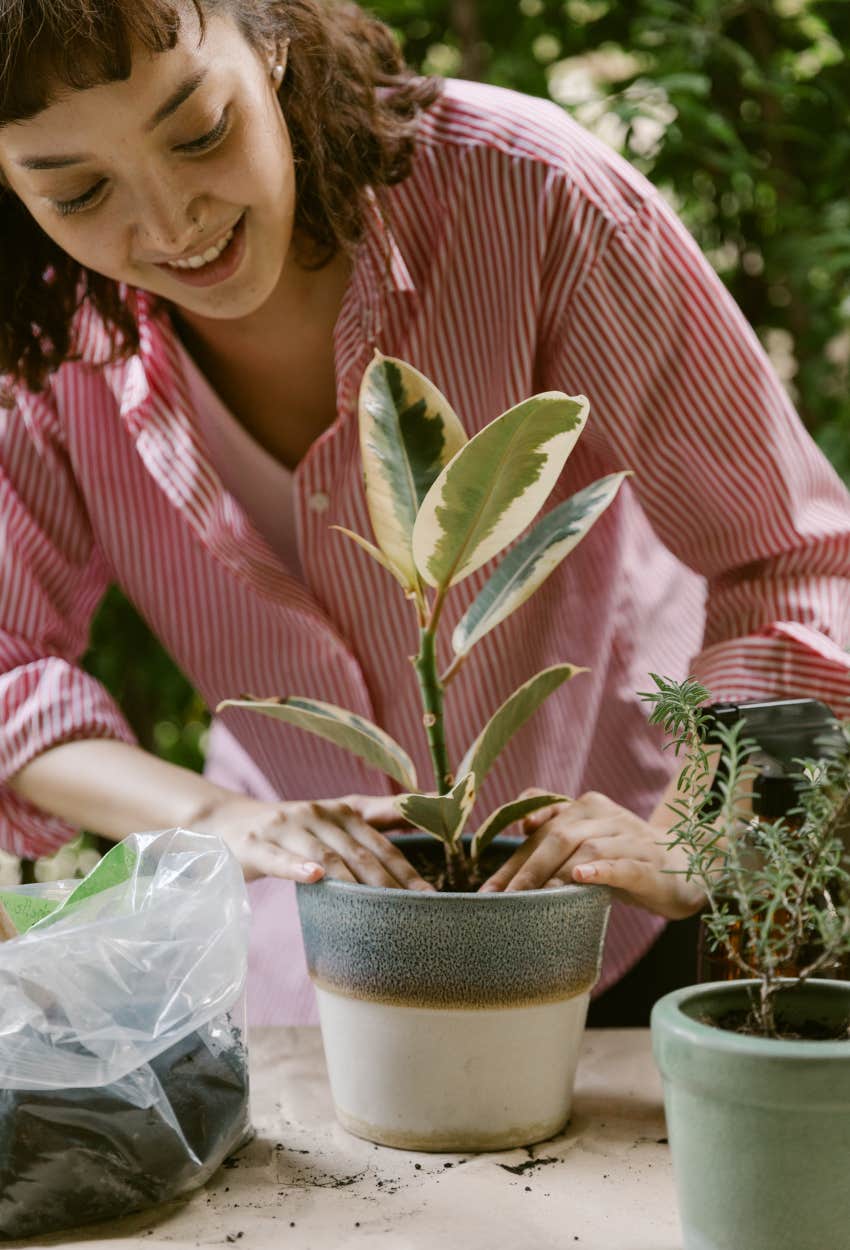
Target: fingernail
{"x": 488, "y": 889}
{"x": 584, "y": 872}
{"x": 308, "y": 870}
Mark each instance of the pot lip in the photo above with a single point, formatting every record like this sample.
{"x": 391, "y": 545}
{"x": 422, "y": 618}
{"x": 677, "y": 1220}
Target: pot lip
{"x": 417, "y": 835}
{"x": 669, "y": 1018}
{"x": 431, "y": 896}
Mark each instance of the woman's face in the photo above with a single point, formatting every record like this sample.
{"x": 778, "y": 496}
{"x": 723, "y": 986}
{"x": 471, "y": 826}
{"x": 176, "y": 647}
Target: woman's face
{"x": 146, "y": 181}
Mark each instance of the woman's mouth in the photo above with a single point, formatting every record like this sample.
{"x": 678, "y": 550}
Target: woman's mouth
{"x": 215, "y": 264}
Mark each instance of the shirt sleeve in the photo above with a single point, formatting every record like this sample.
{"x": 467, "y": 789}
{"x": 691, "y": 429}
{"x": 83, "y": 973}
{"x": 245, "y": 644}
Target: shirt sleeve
{"x": 52, "y": 577}
{"x": 683, "y": 394}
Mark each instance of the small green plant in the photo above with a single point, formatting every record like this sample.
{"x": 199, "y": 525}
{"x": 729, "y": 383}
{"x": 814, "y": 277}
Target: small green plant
{"x": 777, "y": 891}
{"x": 441, "y": 506}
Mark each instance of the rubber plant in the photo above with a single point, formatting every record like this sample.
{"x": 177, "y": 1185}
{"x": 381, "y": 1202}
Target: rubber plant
{"x": 441, "y": 506}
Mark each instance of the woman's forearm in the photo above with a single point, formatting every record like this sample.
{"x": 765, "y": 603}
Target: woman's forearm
{"x": 113, "y": 789}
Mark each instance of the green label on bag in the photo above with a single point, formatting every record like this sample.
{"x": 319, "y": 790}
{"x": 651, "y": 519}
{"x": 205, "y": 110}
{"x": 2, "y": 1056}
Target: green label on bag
{"x": 25, "y": 911}
{"x": 115, "y": 868}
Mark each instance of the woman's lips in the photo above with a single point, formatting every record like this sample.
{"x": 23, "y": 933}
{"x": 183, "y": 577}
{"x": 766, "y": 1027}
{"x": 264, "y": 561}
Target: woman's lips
{"x": 218, "y": 270}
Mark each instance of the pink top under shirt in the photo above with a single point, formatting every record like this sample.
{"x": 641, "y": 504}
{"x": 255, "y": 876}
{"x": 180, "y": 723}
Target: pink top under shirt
{"x": 263, "y": 486}
{"x": 520, "y": 255}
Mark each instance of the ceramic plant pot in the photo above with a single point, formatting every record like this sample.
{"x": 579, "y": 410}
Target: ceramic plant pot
{"x": 452, "y": 1022}
{"x": 759, "y": 1128}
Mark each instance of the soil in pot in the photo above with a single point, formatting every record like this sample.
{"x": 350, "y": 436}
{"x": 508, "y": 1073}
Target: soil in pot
{"x": 429, "y": 860}
{"x": 797, "y": 1029}
{"x": 76, "y": 1156}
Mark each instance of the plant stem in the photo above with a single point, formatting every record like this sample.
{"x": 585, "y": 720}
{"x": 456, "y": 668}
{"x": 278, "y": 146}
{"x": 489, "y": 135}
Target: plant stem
{"x": 431, "y": 688}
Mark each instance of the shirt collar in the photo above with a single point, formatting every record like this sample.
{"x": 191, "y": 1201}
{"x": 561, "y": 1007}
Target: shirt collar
{"x": 381, "y": 248}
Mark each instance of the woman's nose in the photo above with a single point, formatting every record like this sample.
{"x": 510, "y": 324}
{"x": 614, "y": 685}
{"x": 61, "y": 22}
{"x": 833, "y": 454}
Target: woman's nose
{"x": 169, "y": 223}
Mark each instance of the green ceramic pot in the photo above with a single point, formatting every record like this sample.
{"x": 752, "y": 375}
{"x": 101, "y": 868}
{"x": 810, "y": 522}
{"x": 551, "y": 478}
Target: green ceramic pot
{"x": 759, "y": 1128}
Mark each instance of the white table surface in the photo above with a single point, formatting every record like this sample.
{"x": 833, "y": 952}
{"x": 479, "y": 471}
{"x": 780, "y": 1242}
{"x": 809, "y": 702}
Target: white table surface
{"x": 306, "y": 1184}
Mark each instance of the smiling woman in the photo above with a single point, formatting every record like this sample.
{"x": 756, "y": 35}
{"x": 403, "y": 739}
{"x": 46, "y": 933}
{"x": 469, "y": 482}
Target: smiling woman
{"x": 213, "y": 212}
{"x": 174, "y": 134}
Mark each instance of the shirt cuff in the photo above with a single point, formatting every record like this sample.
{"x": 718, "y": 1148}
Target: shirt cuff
{"x": 785, "y": 661}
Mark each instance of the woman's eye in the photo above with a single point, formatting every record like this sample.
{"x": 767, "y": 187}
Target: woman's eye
{"x": 66, "y": 207}
{"x": 209, "y": 140}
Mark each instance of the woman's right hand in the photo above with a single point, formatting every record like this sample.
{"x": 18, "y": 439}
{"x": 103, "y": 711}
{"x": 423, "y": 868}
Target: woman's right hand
{"x": 305, "y": 841}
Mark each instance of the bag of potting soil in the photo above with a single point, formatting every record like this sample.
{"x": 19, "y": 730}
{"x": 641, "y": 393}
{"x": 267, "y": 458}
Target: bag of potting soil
{"x": 123, "y": 1069}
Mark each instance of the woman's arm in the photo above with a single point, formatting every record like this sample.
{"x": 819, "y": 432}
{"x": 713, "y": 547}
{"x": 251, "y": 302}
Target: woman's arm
{"x": 113, "y": 789}
{"x": 682, "y": 393}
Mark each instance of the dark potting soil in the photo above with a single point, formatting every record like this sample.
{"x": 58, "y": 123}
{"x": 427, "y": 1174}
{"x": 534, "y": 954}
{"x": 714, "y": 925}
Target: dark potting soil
{"x": 812, "y": 1030}
{"x": 75, "y": 1156}
{"x": 430, "y": 862}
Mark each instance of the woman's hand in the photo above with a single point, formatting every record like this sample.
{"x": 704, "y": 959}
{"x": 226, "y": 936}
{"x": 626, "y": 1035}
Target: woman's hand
{"x": 595, "y": 841}
{"x": 305, "y": 841}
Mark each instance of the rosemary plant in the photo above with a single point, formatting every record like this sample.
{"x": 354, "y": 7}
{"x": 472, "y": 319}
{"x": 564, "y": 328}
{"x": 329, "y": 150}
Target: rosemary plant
{"x": 777, "y": 891}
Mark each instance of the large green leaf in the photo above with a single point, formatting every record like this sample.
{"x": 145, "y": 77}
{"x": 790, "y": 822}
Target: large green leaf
{"x": 504, "y": 816}
{"x": 513, "y": 713}
{"x": 534, "y": 557}
{"x": 495, "y": 486}
{"x": 443, "y": 815}
{"x": 408, "y": 433}
{"x": 335, "y": 724}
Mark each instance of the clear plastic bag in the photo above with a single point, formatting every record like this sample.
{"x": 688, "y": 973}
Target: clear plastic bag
{"x": 123, "y": 1069}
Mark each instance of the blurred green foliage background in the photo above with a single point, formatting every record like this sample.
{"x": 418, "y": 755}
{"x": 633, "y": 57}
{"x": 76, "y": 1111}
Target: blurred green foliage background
{"x": 739, "y": 111}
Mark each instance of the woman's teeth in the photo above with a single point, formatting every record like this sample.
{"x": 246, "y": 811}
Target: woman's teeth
{"x": 206, "y": 258}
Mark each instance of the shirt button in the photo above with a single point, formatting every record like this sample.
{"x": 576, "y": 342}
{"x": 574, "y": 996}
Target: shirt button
{"x": 319, "y": 501}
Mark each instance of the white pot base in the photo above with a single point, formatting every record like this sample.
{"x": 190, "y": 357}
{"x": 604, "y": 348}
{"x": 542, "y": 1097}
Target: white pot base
{"x": 452, "y": 1080}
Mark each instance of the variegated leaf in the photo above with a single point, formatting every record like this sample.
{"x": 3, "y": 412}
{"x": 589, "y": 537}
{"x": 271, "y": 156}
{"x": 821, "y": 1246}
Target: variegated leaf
{"x": 335, "y": 724}
{"x": 370, "y": 548}
{"x": 442, "y": 815}
{"x": 495, "y": 486}
{"x": 513, "y": 714}
{"x": 408, "y": 433}
{"x": 504, "y": 816}
{"x": 534, "y": 557}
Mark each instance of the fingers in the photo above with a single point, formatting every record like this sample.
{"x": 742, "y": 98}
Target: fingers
{"x": 543, "y": 815}
{"x": 260, "y": 858}
{"x": 504, "y": 875}
{"x": 640, "y": 882}
{"x": 379, "y": 811}
{"x": 386, "y": 856}
{"x": 552, "y": 852}
{"x": 367, "y": 856}
{"x": 311, "y": 844}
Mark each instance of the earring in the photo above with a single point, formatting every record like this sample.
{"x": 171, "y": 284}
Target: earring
{"x": 280, "y": 69}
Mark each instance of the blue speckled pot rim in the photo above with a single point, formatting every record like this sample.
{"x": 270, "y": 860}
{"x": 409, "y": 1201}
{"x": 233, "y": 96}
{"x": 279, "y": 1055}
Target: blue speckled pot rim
{"x": 431, "y": 896}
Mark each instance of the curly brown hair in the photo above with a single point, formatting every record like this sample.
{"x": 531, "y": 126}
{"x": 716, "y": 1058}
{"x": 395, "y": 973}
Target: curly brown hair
{"x": 351, "y": 106}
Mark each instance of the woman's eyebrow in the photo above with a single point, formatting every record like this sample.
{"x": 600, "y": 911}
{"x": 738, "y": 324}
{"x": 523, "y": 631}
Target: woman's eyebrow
{"x": 187, "y": 88}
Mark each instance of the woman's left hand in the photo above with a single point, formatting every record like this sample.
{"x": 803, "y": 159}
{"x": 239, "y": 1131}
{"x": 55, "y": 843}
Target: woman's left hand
{"x": 593, "y": 840}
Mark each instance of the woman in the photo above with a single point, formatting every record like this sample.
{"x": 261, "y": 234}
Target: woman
{"x": 213, "y": 212}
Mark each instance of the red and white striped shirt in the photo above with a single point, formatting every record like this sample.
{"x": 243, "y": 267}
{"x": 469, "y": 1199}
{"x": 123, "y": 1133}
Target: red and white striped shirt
{"x": 520, "y": 255}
